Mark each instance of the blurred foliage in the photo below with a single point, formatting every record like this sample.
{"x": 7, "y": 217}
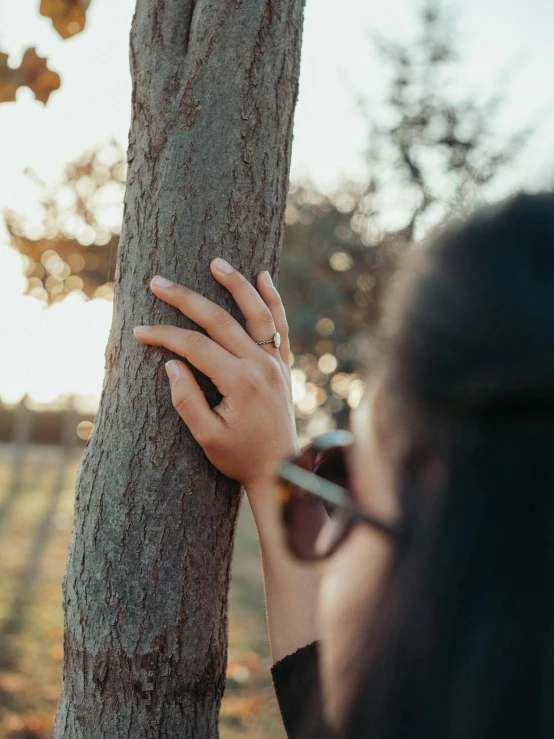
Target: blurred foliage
{"x": 68, "y": 18}
{"x": 432, "y": 152}
{"x": 429, "y": 159}
{"x": 430, "y": 156}
{"x": 72, "y": 243}
{"x": 329, "y": 281}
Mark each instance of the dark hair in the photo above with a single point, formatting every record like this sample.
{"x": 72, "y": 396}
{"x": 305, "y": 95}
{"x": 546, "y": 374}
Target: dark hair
{"x": 462, "y": 643}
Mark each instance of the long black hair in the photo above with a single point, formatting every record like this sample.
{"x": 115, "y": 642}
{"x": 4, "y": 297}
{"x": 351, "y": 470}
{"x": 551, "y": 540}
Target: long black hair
{"x": 462, "y": 643}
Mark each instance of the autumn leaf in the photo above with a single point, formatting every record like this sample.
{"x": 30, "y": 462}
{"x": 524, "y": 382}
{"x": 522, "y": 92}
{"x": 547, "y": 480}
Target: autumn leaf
{"x": 68, "y": 16}
{"x": 36, "y": 75}
{"x": 32, "y": 73}
{"x": 8, "y": 85}
{"x": 243, "y": 707}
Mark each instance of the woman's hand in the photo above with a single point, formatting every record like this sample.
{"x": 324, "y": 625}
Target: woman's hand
{"x": 253, "y": 428}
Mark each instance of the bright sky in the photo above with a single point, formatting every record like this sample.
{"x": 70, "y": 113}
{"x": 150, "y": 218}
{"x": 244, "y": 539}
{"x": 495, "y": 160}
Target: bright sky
{"x": 61, "y": 349}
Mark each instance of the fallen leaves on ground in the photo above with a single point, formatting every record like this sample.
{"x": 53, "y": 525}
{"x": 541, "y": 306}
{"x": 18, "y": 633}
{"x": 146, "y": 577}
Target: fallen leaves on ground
{"x": 31, "y": 657}
{"x": 240, "y": 707}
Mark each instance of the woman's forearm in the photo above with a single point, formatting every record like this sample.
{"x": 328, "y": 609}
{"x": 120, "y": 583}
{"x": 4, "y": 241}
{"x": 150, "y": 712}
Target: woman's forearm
{"x": 290, "y": 587}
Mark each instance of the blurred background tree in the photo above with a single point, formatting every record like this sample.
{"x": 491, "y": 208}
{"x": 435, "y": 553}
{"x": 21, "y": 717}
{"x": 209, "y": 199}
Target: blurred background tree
{"x": 72, "y": 242}
{"x": 429, "y": 157}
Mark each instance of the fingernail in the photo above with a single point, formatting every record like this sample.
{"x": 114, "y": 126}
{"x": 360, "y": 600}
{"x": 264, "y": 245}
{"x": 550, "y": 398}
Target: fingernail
{"x": 268, "y": 279}
{"x": 222, "y": 265}
{"x": 161, "y": 281}
{"x": 172, "y": 369}
{"x": 141, "y": 329}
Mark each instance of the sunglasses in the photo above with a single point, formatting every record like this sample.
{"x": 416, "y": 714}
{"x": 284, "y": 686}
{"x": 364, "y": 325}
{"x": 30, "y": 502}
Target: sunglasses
{"x": 317, "y": 506}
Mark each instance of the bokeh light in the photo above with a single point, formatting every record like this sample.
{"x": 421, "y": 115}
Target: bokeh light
{"x": 327, "y": 364}
{"x": 341, "y": 261}
{"x": 54, "y": 351}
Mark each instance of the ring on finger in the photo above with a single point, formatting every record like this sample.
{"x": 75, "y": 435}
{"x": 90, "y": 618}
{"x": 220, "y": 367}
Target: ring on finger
{"x": 275, "y": 340}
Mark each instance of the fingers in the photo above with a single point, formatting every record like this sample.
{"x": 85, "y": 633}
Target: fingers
{"x": 262, "y": 309}
{"x": 190, "y": 402}
{"x": 259, "y": 320}
{"x": 272, "y": 299}
{"x": 206, "y": 355}
{"x": 218, "y": 323}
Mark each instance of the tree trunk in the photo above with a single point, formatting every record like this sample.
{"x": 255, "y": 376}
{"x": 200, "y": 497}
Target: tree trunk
{"x": 215, "y": 84}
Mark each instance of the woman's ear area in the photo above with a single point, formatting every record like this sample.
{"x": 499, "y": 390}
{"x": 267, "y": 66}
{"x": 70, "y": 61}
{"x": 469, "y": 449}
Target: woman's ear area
{"x": 371, "y": 463}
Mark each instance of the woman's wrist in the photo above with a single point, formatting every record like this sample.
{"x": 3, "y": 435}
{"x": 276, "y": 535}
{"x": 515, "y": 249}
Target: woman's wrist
{"x": 290, "y": 586}
{"x": 264, "y": 502}
{"x": 265, "y": 486}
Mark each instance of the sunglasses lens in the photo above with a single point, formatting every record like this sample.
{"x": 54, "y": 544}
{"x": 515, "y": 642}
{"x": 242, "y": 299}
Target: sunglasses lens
{"x": 331, "y": 464}
{"x": 316, "y": 528}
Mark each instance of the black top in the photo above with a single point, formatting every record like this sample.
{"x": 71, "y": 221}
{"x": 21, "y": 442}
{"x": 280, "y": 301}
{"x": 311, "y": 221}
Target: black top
{"x": 297, "y": 685}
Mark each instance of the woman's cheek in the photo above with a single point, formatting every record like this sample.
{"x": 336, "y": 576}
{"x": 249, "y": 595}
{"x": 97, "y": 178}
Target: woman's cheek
{"x": 348, "y": 591}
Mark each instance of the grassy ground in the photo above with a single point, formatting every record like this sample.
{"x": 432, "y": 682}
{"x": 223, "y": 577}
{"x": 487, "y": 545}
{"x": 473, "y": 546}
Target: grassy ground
{"x": 35, "y": 528}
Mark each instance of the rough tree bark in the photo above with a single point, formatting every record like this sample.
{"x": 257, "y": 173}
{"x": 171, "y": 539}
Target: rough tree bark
{"x": 215, "y": 84}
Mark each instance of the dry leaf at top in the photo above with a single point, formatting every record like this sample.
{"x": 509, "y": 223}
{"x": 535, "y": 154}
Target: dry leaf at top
{"x": 68, "y": 16}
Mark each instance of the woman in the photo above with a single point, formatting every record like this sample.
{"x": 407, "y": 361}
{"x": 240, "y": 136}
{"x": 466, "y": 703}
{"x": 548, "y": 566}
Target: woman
{"x": 431, "y": 612}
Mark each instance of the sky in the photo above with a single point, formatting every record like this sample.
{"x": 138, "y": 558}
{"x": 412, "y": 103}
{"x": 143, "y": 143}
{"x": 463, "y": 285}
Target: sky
{"x": 93, "y": 105}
